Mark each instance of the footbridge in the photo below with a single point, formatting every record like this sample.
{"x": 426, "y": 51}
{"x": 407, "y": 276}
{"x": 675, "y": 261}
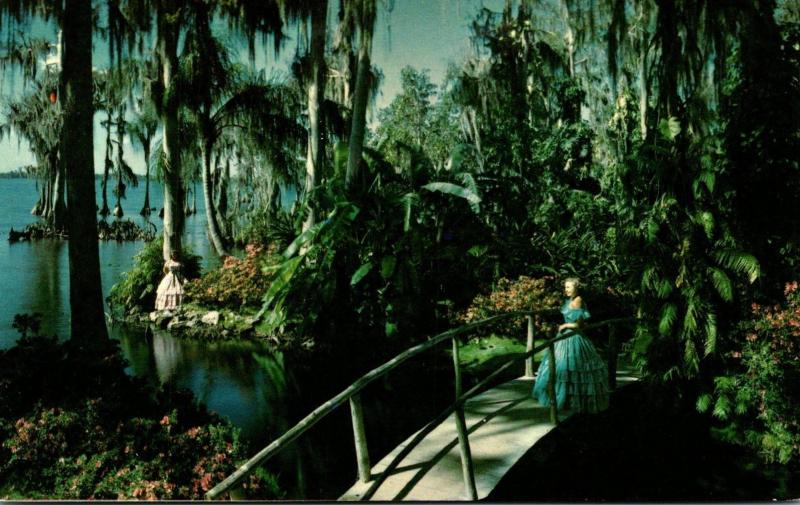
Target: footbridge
{"x": 464, "y": 452}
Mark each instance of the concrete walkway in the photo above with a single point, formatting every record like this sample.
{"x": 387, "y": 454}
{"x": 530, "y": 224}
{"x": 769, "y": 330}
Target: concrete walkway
{"x": 503, "y": 423}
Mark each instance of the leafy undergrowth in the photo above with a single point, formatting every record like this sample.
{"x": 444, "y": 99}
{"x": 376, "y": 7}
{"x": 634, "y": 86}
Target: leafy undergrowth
{"x": 75, "y": 426}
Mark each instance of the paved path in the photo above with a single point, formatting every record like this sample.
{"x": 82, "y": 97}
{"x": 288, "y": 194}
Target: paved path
{"x": 503, "y": 423}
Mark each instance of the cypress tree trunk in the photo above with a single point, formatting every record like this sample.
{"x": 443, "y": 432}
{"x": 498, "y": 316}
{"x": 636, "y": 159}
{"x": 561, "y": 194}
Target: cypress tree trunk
{"x": 359, "y": 121}
{"x": 146, "y": 205}
{"x": 59, "y": 207}
{"x": 208, "y": 195}
{"x": 106, "y": 165}
{"x": 222, "y": 201}
{"x": 118, "y": 212}
{"x": 87, "y": 323}
{"x": 173, "y": 186}
{"x": 315, "y": 94}
{"x": 643, "y": 86}
{"x": 37, "y": 209}
{"x": 47, "y": 211}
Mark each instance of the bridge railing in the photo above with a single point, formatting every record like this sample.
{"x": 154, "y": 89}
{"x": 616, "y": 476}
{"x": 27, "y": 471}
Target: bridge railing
{"x": 351, "y": 394}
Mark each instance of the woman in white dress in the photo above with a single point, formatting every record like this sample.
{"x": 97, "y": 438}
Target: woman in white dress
{"x": 170, "y": 290}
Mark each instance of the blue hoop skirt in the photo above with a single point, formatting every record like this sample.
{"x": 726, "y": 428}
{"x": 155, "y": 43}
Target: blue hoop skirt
{"x": 581, "y": 374}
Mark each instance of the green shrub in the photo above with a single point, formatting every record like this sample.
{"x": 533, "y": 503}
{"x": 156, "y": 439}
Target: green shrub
{"x": 759, "y": 403}
{"x": 239, "y": 281}
{"x": 137, "y": 289}
{"x": 524, "y": 293}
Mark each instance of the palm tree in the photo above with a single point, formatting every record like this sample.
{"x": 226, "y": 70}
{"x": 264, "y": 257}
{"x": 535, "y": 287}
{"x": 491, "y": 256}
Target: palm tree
{"x": 168, "y": 21}
{"x": 218, "y": 103}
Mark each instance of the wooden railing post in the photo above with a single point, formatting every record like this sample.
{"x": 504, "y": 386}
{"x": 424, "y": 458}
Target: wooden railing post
{"x": 529, "y": 348}
{"x": 613, "y": 351}
{"x": 551, "y": 383}
{"x": 360, "y": 437}
{"x": 461, "y": 428}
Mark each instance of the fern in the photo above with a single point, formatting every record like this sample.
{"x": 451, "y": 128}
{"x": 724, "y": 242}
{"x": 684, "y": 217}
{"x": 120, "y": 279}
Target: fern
{"x": 664, "y": 288}
{"x": 722, "y": 283}
{"x": 703, "y": 402}
{"x": 690, "y": 318}
{"x": 711, "y": 333}
{"x": 690, "y": 355}
{"x": 739, "y": 262}
{"x": 668, "y": 316}
{"x": 722, "y": 407}
{"x": 706, "y": 220}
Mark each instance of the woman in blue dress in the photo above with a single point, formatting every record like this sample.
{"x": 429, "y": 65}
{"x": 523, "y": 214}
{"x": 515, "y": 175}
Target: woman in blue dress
{"x": 581, "y": 375}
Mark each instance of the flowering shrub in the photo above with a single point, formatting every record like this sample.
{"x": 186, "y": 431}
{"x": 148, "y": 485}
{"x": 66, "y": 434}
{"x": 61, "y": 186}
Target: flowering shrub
{"x": 75, "y": 454}
{"x": 524, "y": 293}
{"x": 761, "y": 403}
{"x": 74, "y": 425}
{"x": 237, "y": 282}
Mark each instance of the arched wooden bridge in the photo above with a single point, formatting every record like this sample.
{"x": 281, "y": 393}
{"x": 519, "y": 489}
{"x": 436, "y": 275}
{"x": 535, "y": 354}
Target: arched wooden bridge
{"x": 464, "y": 452}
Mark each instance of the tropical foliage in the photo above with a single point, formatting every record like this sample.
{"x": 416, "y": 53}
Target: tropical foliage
{"x": 649, "y": 148}
{"x": 759, "y": 400}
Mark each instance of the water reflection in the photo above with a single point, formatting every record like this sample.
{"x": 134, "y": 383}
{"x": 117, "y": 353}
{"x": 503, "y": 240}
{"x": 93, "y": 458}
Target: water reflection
{"x": 166, "y": 354}
{"x": 241, "y": 380}
{"x": 45, "y": 273}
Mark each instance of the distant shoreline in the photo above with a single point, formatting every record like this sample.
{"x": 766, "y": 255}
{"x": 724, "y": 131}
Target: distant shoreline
{"x": 14, "y": 175}
{"x": 18, "y": 174}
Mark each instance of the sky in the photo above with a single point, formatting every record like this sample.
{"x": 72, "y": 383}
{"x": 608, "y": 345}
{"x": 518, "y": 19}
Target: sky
{"x": 425, "y": 34}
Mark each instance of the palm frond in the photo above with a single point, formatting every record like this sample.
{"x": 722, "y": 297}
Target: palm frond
{"x": 739, "y": 262}
{"x": 722, "y": 283}
{"x": 711, "y": 333}
{"x": 455, "y": 190}
{"x": 669, "y": 314}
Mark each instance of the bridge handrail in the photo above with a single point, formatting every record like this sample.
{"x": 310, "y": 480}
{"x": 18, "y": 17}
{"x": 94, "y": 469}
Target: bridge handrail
{"x": 312, "y": 418}
{"x": 474, "y": 390}
{"x": 348, "y": 393}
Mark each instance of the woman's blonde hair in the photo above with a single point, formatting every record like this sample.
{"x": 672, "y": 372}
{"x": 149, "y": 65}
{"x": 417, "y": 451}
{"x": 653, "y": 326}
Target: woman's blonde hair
{"x": 575, "y": 281}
